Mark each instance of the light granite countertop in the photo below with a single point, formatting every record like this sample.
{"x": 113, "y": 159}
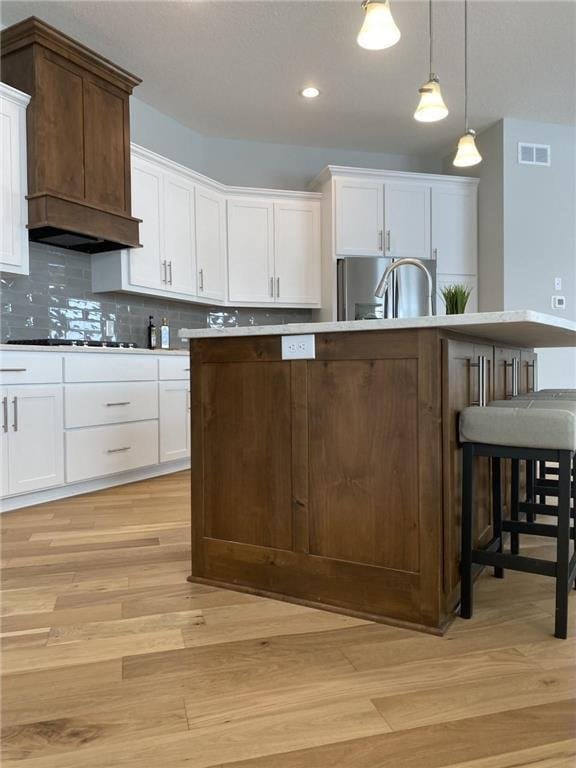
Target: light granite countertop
{"x": 89, "y": 350}
{"x": 520, "y": 327}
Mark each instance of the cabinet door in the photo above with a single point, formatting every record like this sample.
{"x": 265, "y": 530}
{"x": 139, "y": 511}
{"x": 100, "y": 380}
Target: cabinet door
{"x": 211, "y": 244}
{"x": 174, "y": 420}
{"x": 454, "y": 229}
{"x": 407, "y": 220}
{"x": 528, "y": 371}
{"x": 13, "y": 205}
{"x": 359, "y": 218}
{"x": 442, "y": 281}
{"x": 251, "y": 251}
{"x": 36, "y": 438}
{"x": 179, "y": 235}
{"x": 297, "y": 252}
{"x": 147, "y": 204}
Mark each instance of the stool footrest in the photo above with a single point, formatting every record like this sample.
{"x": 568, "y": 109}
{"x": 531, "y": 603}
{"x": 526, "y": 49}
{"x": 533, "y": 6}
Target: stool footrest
{"x": 514, "y": 562}
{"x": 535, "y": 529}
{"x": 540, "y": 509}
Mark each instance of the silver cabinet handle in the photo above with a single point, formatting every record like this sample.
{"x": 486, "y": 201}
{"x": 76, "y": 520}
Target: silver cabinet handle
{"x": 513, "y": 365}
{"x": 124, "y": 402}
{"x": 119, "y": 450}
{"x": 272, "y": 287}
{"x": 482, "y": 365}
{"x": 277, "y": 287}
{"x": 5, "y": 413}
{"x": 15, "y": 423}
{"x": 435, "y": 253}
{"x": 201, "y": 275}
{"x": 531, "y": 387}
{"x": 381, "y": 240}
{"x": 164, "y": 271}
{"x": 13, "y": 370}
{"x": 170, "y": 272}
{"x": 388, "y": 240}
{"x": 186, "y": 369}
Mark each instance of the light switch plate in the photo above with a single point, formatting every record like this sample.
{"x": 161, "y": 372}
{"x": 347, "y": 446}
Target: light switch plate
{"x": 298, "y": 347}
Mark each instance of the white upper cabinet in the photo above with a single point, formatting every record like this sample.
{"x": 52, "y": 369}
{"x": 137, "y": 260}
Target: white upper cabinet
{"x": 454, "y": 229}
{"x": 13, "y": 173}
{"x": 145, "y": 265}
{"x": 211, "y": 244}
{"x": 251, "y": 251}
{"x": 179, "y": 261}
{"x": 297, "y": 252}
{"x": 407, "y": 220}
{"x": 359, "y": 217}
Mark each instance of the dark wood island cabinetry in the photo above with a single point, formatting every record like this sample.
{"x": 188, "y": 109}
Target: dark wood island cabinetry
{"x": 335, "y": 481}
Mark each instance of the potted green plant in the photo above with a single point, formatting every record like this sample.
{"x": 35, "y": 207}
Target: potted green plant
{"x": 455, "y": 298}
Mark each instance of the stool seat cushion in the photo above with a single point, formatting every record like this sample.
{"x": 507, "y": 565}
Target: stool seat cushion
{"x": 554, "y": 404}
{"x": 548, "y": 394}
{"x": 524, "y": 427}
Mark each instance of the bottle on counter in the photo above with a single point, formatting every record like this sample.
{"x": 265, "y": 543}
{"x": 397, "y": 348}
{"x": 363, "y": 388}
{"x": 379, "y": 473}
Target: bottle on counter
{"x": 164, "y": 334}
{"x": 152, "y": 333}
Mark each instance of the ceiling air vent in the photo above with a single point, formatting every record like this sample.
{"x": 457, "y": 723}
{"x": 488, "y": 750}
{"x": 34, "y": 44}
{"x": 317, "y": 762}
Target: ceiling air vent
{"x": 533, "y": 154}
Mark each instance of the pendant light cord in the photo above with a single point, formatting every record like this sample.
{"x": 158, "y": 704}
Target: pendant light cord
{"x": 430, "y": 30}
{"x": 466, "y": 65}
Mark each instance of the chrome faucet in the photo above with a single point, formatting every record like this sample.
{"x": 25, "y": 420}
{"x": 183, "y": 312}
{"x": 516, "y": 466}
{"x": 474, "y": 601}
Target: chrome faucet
{"x": 384, "y": 284}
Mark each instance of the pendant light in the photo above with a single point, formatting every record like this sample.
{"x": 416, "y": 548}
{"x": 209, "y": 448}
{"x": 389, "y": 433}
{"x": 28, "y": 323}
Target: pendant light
{"x": 379, "y": 29}
{"x": 467, "y": 153}
{"x": 431, "y": 107}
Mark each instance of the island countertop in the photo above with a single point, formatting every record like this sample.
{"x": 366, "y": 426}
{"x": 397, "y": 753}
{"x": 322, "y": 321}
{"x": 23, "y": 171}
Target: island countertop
{"x": 515, "y": 327}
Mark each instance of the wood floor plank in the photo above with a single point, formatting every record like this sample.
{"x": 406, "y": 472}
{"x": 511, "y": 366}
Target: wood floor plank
{"x": 111, "y": 658}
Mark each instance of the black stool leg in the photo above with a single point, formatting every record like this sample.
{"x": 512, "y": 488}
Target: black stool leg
{"x": 467, "y": 530}
{"x": 563, "y": 545}
{"x": 530, "y": 482}
{"x": 514, "y": 502}
{"x": 497, "y": 509}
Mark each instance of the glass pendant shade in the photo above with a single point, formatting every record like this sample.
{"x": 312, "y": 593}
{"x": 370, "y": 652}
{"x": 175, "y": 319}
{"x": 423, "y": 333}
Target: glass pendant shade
{"x": 379, "y": 30}
{"x": 467, "y": 153}
{"x": 431, "y": 107}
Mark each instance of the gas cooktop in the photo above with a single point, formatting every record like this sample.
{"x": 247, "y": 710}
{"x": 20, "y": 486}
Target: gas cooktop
{"x": 72, "y": 343}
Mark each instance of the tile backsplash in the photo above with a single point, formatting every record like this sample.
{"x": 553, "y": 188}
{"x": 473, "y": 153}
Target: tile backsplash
{"x": 56, "y": 301}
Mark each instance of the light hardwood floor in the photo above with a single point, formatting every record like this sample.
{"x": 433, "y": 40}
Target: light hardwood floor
{"x": 110, "y": 658}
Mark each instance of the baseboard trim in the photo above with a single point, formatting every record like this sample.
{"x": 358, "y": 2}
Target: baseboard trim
{"x": 98, "y": 484}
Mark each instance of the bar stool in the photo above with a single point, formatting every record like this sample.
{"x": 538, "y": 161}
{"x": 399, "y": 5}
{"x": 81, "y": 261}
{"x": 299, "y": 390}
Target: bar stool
{"x": 508, "y": 430}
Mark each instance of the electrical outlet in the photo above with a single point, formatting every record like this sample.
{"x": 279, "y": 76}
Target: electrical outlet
{"x": 298, "y": 347}
{"x": 557, "y": 283}
{"x": 558, "y": 302}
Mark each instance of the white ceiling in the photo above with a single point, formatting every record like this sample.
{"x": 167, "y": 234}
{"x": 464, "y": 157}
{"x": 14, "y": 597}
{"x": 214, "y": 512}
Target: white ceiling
{"x": 233, "y": 69}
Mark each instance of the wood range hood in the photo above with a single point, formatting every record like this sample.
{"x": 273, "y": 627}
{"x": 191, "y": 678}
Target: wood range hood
{"x": 78, "y": 139}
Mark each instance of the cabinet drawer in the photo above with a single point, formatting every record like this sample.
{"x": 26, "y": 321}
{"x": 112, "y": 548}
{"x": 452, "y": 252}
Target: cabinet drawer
{"x": 174, "y": 367}
{"x": 109, "y": 367}
{"x": 99, "y": 451}
{"x": 30, "y": 368}
{"x": 90, "y": 405}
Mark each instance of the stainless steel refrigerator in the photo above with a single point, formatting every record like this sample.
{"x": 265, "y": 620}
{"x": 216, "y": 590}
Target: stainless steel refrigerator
{"x": 407, "y": 296}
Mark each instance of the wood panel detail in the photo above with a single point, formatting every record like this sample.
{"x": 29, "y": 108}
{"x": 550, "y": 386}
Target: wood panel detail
{"x": 363, "y": 482}
{"x": 247, "y": 453}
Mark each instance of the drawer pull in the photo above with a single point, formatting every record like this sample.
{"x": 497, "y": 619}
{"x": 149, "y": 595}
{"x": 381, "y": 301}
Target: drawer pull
{"x": 186, "y": 369}
{"x": 5, "y": 409}
{"x": 119, "y": 450}
{"x": 13, "y": 370}
{"x": 124, "y": 402}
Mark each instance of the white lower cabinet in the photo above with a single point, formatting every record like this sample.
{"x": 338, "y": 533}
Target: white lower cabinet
{"x": 100, "y": 451}
{"x": 174, "y": 420}
{"x": 32, "y": 427}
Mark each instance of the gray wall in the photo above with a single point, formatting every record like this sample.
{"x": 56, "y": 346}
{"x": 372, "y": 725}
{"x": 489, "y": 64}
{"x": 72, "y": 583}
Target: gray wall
{"x": 527, "y": 230}
{"x": 56, "y": 301}
{"x": 254, "y": 163}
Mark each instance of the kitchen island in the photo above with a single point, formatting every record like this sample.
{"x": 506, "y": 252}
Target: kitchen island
{"x": 335, "y": 481}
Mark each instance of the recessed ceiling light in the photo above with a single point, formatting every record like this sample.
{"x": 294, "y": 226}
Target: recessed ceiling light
{"x": 310, "y": 92}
